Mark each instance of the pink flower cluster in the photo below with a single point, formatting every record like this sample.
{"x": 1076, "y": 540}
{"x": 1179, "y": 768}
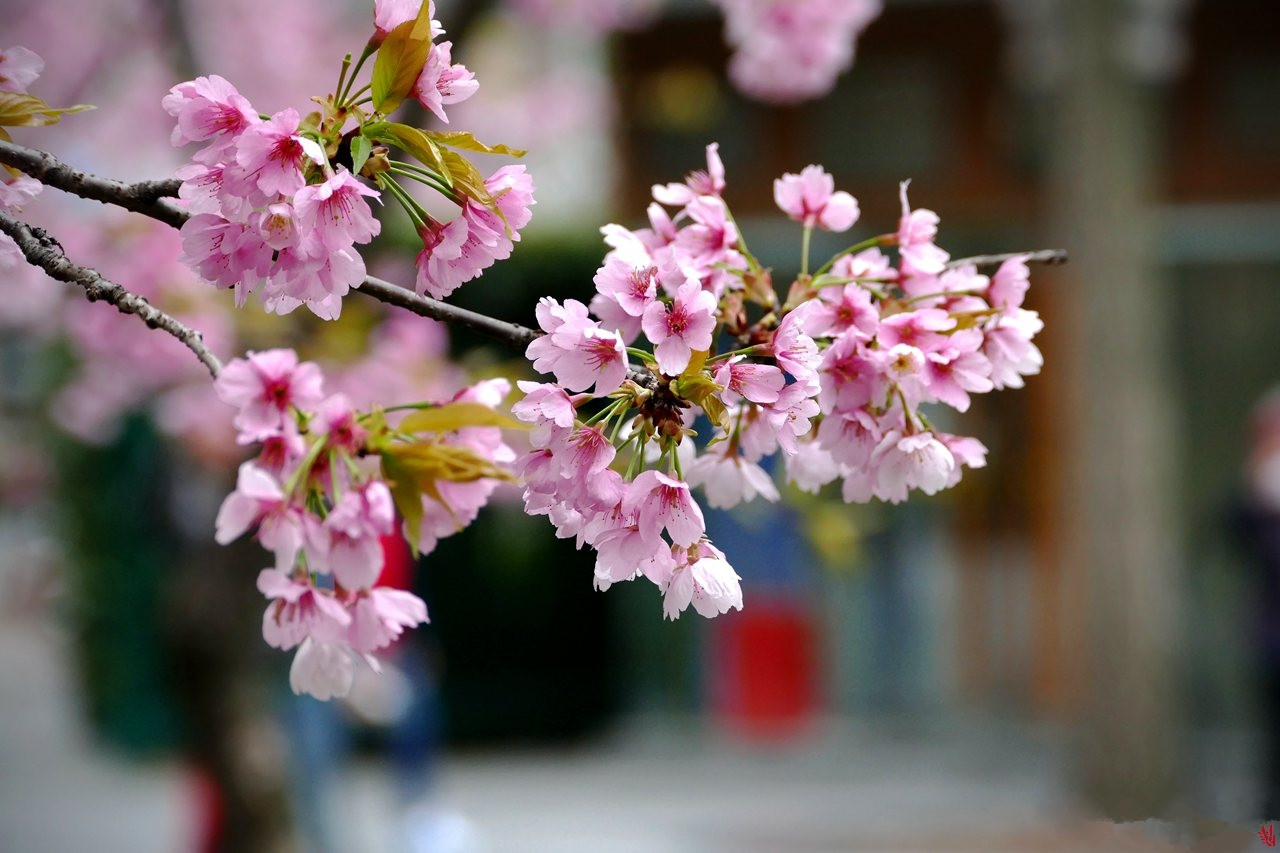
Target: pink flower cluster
{"x": 322, "y": 514}
{"x": 271, "y": 213}
{"x": 834, "y": 378}
{"x": 792, "y": 50}
{"x": 457, "y": 251}
{"x": 319, "y": 513}
{"x": 320, "y": 508}
{"x": 441, "y": 81}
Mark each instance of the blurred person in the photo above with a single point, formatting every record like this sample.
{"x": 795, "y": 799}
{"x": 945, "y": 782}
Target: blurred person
{"x": 402, "y": 706}
{"x": 1258, "y": 517}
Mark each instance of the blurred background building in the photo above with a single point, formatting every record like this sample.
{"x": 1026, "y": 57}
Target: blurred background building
{"x": 1077, "y": 632}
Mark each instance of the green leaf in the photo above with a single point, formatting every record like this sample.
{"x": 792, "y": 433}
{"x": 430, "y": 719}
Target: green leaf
{"x": 703, "y": 390}
{"x": 400, "y": 60}
{"x": 467, "y": 178}
{"x": 462, "y": 139}
{"x": 407, "y": 497}
{"x": 414, "y": 142}
{"x": 452, "y": 416}
{"x": 360, "y": 148}
{"x": 18, "y": 109}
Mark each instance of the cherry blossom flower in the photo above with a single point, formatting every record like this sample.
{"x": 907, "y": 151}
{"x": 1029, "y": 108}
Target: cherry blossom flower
{"x": 443, "y": 82}
{"x": 811, "y": 198}
{"x": 728, "y": 480}
{"x": 699, "y": 183}
{"x": 701, "y": 577}
{"x": 322, "y": 670}
{"x": 576, "y": 349}
{"x": 905, "y": 462}
{"x": 274, "y": 153}
{"x": 664, "y": 503}
{"x": 209, "y": 108}
{"x": 916, "y": 232}
{"x": 682, "y": 328}
{"x": 19, "y": 68}
{"x": 380, "y": 615}
{"x": 348, "y": 543}
{"x": 265, "y": 386}
{"x": 299, "y": 610}
{"x": 334, "y": 214}
{"x": 759, "y": 383}
{"x": 259, "y": 499}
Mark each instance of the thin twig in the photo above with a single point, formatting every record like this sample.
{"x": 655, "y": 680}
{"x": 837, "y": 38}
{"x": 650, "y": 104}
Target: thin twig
{"x": 510, "y": 333}
{"x": 394, "y": 294}
{"x": 1052, "y": 257}
{"x": 43, "y": 251}
{"x": 150, "y": 198}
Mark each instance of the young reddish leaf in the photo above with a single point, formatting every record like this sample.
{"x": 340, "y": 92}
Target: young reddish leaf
{"x": 462, "y": 139}
{"x": 400, "y": 60}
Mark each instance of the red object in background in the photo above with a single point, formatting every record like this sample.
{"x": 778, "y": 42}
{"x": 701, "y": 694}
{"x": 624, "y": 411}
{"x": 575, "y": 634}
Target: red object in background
{"x": 767, "y": 663}
{"x": 210, "y": 811}
{"x": 1268, "y": 835}
{"x": 397, "y": 566}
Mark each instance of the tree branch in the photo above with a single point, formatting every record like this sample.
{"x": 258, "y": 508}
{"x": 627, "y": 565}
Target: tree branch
{"x": 150, "y": 198}
{"x": 1052, "y": 257}
{"x": 394, "y": 294}
{"x": 43, "y": 251}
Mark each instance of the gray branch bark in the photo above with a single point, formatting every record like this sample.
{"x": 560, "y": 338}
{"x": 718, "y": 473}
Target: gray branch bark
{"x": 150, "y": 198}
{"x": 43, "y": 251}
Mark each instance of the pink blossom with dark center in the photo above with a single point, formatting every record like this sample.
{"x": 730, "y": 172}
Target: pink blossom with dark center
{"x": 298, "y": 610}
{"x": 443, "y": 82}
{"x": 264, "y": 387}
{"x": 682, "y": 328}
{"x": 334, "y": 214}
{"x": 661, "y": 502}
{"x": 209, "y": 108}
{"x": 275, "y": 154}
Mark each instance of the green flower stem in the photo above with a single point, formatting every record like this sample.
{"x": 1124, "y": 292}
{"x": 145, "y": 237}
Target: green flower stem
{"x": 751, "y": 350}
{"x": 617, "y": 427}
{"x": 924, "y": 296}
{"x": 637, "y": 457}
{"x": 880, "y": 240}
{"x": 640, "y": 354}
{"x": 804, "y": 250}
{"x": 604, "y": 414}
{"x": 351, "y": 78}
{"x": 425, "y": 176}
{"x": 304, "y": 468}
{"x": 342, "y": 75}
{"x": 411, "y": 207}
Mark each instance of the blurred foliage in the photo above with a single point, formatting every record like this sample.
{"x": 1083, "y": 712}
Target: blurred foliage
{"x": 113, "y": 517}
